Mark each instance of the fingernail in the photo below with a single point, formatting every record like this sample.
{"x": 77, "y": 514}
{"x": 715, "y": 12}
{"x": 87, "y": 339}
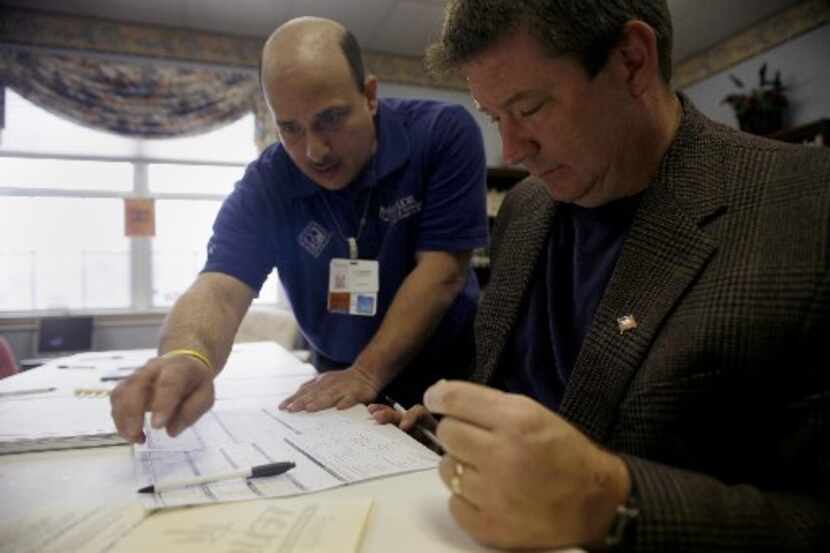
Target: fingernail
{"x": 433, "y": 395}
{"x": 158, "y": 420}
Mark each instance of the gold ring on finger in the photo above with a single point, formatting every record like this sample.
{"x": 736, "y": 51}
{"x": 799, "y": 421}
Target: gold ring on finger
{"x": 455, "y": 480}
{"x": 455, "y": 485}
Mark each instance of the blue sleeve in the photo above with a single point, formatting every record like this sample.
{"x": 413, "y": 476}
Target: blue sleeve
{"x": 454, "y": 215}
{"x": 240, "y": 245}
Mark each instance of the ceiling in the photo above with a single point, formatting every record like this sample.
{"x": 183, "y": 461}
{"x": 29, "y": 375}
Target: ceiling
{"x": 392, "y": 26}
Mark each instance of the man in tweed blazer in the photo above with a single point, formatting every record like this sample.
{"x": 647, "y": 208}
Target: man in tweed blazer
{"x": 695, "y": 413}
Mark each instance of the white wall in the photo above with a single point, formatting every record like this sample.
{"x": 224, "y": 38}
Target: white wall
{"x": 804, "y": 63}
{"x": 492, "y": 141}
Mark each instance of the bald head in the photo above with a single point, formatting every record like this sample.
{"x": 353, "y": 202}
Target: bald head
{"x": 323, "y": 103}
{"x": 311, "y": 45}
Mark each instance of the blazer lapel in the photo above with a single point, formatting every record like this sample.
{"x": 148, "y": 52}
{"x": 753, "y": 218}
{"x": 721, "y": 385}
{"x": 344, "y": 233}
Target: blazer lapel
{"x": 523, "y": 238}
{"x": 664, "y": 252}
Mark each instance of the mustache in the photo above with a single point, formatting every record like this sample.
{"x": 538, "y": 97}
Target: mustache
{"x": 325, "y": 163}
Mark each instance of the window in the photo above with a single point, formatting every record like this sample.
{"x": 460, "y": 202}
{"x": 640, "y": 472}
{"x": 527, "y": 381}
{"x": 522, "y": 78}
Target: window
{"x": 54, "y": 255}
{"x": 62, "y": 212}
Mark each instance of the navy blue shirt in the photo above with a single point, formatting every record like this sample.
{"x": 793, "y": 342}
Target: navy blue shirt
{"x": 568, "y": 284}
{"x": 425, "y": 191}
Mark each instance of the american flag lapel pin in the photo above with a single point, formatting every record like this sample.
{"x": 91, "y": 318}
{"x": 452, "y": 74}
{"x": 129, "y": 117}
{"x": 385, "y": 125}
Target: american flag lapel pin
{"x": 626, "y": 323}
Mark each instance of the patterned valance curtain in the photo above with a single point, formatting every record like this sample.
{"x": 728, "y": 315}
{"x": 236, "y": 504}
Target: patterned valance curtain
{"x": 134, "y": 98}
{"x": 266, "y": 128}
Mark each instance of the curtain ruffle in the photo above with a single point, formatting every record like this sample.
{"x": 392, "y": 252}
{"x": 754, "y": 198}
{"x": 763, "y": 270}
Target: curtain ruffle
{"x": 139, "y": 98}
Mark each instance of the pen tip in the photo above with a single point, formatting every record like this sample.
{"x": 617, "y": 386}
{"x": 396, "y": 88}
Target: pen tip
{"x": 147, "y": 489}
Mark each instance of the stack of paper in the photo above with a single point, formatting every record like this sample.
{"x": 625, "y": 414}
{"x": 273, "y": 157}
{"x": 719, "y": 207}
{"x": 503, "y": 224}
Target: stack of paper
{"x": 56, "y": 423}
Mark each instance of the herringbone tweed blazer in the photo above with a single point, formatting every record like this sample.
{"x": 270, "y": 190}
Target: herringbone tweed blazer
{"x": 719, "y": 399}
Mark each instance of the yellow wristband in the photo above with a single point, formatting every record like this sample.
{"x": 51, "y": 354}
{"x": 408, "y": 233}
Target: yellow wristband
{"x": 192, "y": 353}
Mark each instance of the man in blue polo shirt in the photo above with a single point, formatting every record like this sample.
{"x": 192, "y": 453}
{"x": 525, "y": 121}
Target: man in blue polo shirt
{"x": 369, "y": 209}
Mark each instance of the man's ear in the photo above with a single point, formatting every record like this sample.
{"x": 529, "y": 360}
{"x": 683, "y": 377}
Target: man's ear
{"x": 637, "y": 51}
{"x": 370, "y": 89}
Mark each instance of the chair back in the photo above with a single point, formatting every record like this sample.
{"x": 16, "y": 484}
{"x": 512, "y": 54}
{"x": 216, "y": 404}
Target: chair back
{"x": 8, "y": 364}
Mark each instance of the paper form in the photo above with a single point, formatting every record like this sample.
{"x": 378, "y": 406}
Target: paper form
{"x": 55, "y": 423}
{"x": 275, "y": 386}
{"x": 330, "y": 448}
{"x": 253, "y": 527}
{"x": 254, "y": 359}
{"x": 81, "y": 531}
{"x": 356, "y": 456}
{"x": 108, "y": 361}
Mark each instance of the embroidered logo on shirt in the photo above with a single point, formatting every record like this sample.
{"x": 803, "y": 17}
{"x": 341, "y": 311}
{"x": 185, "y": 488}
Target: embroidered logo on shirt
{"x": 403, "y": 208}
{"x": 314, "y": 238}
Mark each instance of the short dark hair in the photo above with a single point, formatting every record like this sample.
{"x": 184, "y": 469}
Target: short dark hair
{"x": 587, "y": 29}
{"x": 351, "y": 49}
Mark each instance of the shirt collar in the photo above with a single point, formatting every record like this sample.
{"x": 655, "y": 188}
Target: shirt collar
{"x": 393, "y": 151}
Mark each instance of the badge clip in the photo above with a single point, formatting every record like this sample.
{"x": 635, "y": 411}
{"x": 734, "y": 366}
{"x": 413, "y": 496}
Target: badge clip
{"x": 352, "y": 247}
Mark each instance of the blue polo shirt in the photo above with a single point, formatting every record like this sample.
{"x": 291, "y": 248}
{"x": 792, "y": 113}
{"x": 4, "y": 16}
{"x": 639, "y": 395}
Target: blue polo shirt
{"x": 424, "y": 190}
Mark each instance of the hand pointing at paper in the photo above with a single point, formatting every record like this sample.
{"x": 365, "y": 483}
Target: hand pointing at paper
{"x": 522, "y": 476}
{"x": 197, "y": 336}
{"x": 176, "y": 391}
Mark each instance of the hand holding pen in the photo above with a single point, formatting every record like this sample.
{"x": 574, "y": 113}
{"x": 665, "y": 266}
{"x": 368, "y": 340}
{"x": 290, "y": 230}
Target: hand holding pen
{"x": 416, "y": 420}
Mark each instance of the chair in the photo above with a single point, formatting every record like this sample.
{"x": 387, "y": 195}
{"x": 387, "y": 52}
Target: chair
{"x": 8, "y": 364}
{"x": 268, "y": 324}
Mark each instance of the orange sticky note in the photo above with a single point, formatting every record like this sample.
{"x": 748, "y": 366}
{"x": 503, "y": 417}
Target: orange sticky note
{"x": 139, "y": 217}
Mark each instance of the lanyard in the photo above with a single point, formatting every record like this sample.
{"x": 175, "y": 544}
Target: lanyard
{"x": 351, "y": 240}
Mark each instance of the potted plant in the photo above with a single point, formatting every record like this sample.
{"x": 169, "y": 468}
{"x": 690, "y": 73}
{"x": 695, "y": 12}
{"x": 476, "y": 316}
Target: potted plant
{"x": 761, "y": 110}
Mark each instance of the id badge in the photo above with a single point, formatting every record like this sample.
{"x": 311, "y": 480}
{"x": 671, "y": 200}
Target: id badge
{"x": 353, "y": 286}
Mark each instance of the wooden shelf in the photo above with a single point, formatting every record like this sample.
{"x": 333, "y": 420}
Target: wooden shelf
{"x": 817, "y": 132}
